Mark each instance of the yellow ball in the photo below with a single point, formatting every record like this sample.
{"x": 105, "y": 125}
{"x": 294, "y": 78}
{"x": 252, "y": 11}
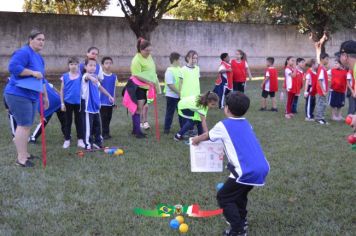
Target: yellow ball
{"x": 183, "y": 228}
{"x": 120, "y": 151}
{"x": 180, "y": 219}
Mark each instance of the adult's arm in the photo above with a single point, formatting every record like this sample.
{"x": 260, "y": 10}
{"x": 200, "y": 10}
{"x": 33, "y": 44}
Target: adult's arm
{"x": 63, "y": 106}
{"x": 45, "y": 97}
{"x": 18, "y": 63}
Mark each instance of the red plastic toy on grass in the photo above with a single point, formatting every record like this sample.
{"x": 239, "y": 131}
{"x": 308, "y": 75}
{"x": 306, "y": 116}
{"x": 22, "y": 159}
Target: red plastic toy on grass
{"x": 351, "y": 139}
{"x": 348, "y": 120}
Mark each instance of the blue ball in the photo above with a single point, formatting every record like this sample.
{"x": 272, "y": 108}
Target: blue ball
{"x": 219, "y": 186}
{"x": 174, "y": 224}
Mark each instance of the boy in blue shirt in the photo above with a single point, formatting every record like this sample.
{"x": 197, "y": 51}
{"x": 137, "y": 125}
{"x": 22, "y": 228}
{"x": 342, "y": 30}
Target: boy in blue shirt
{"x": 109, "y": 83}
{"x": 90, "y": 105}
{"x": 246, "y": 161}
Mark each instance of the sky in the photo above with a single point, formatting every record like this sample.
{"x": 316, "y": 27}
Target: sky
{"x": 16, "y": 6}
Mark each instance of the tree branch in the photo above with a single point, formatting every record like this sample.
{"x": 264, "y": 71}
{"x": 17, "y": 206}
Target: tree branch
{"x": 164, "y": 8}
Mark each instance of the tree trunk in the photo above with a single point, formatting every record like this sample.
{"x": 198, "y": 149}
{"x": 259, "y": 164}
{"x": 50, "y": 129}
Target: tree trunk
{"x": 319, "y": 43}
{"x": 144, "y": 30}
{"x": 319, "y": 48}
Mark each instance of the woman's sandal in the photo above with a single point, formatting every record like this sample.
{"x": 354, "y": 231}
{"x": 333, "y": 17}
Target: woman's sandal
{"x": 27, "y": 164}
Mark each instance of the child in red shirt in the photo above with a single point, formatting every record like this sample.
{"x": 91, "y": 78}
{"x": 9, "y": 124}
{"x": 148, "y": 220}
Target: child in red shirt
{"x": 269, "y": 86}
{"x": 298, "y": 83}
{"x": 338, "y": 89}
{"x": 311, "y": 81}
{"x": 289, "y": 76}
{"x": 240, "y": 68}
{"x": 322, "y": 89}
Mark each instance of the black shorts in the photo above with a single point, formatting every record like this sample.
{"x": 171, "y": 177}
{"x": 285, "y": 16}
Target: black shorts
{"x": 266, "y": 93}
{"x": 239, "y": 86}
{"x": 141, "y": 94}
{"x": 337, "y": 99}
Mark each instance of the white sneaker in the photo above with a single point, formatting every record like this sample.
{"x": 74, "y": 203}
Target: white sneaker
{"x": 81, "y": 143}
{"x": 66, "y": 144}
{"x": 146, "y": 125}
{"x": 141, "y": 125}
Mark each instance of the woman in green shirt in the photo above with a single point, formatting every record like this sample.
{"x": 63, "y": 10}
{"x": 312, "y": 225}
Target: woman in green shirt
{"x": 143, "y": 80}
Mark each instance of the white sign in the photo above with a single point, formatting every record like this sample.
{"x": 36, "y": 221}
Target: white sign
{"x": 207, "y": 157}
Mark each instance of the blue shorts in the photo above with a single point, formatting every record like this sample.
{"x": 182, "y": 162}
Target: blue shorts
{"x": 23, "y": 109}
{"x": 336, "y": 99}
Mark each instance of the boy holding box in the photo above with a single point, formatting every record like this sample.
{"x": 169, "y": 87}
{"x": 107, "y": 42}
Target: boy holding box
{"x": 247, "y": 163}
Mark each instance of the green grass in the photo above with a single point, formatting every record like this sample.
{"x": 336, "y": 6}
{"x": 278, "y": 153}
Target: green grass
{"x": 309, "y": 191}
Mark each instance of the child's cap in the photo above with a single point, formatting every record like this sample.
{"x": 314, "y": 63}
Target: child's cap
{"x": 348, "y": 47}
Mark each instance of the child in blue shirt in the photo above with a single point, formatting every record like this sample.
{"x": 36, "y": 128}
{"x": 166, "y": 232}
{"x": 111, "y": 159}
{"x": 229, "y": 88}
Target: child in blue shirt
{"x": 90, "y": 105}
{"x": 70, "y": 102}
{"x": 109, "y": 83}
{"x": 246, "y": 161}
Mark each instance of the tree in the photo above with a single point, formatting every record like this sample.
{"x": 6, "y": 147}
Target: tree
{"x": 317, "y": 18}
{"x": 143, "y": 16}
{"x": 84, "y": 7}
{"x": 243, "y": 11}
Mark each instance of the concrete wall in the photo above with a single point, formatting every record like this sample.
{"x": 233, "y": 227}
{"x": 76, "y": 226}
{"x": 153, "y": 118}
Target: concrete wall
{"x": 70, "y": 35}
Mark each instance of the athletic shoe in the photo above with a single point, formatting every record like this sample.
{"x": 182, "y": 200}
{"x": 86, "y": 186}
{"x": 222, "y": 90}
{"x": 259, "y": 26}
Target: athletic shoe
{"x": 66, "y": 144}
{"x": 322, "y": 122}
{"x": 107, "y": 136}
{"x": 262, "y": 109}
{"x": 178, "y": 137}
{"x": 309, "y": 119}
{"x": 146, "y": 125}
{"x": 80, "y": 143}
{"x": 274, "y": 109}
{"x": 245, "y": 224}
{"x": 287, "y": 116}
{"x": 187, "y": 142}
{"x": 97, "y": 146}
{"x": 229, "y": 232}
{"x": 32, "y": 140}
{"x": 27, "y": 164}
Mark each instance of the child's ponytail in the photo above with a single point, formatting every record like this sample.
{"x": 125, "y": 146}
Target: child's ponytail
{"x": 206, "y": 98}
{"x": 286, "y": 63}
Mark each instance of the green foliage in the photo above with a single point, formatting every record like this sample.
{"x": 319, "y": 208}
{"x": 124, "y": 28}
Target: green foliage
{"x": 314, "y": 16}
{"x": 84, "y": 7}
{"x": 247, "y": 11}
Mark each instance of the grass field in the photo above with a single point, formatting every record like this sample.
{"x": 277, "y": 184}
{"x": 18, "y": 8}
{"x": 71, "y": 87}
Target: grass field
{"x": 310, "y": 189}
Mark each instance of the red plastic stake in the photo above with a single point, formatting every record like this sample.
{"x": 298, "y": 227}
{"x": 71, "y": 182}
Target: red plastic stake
{"x": 43, "y": 136}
